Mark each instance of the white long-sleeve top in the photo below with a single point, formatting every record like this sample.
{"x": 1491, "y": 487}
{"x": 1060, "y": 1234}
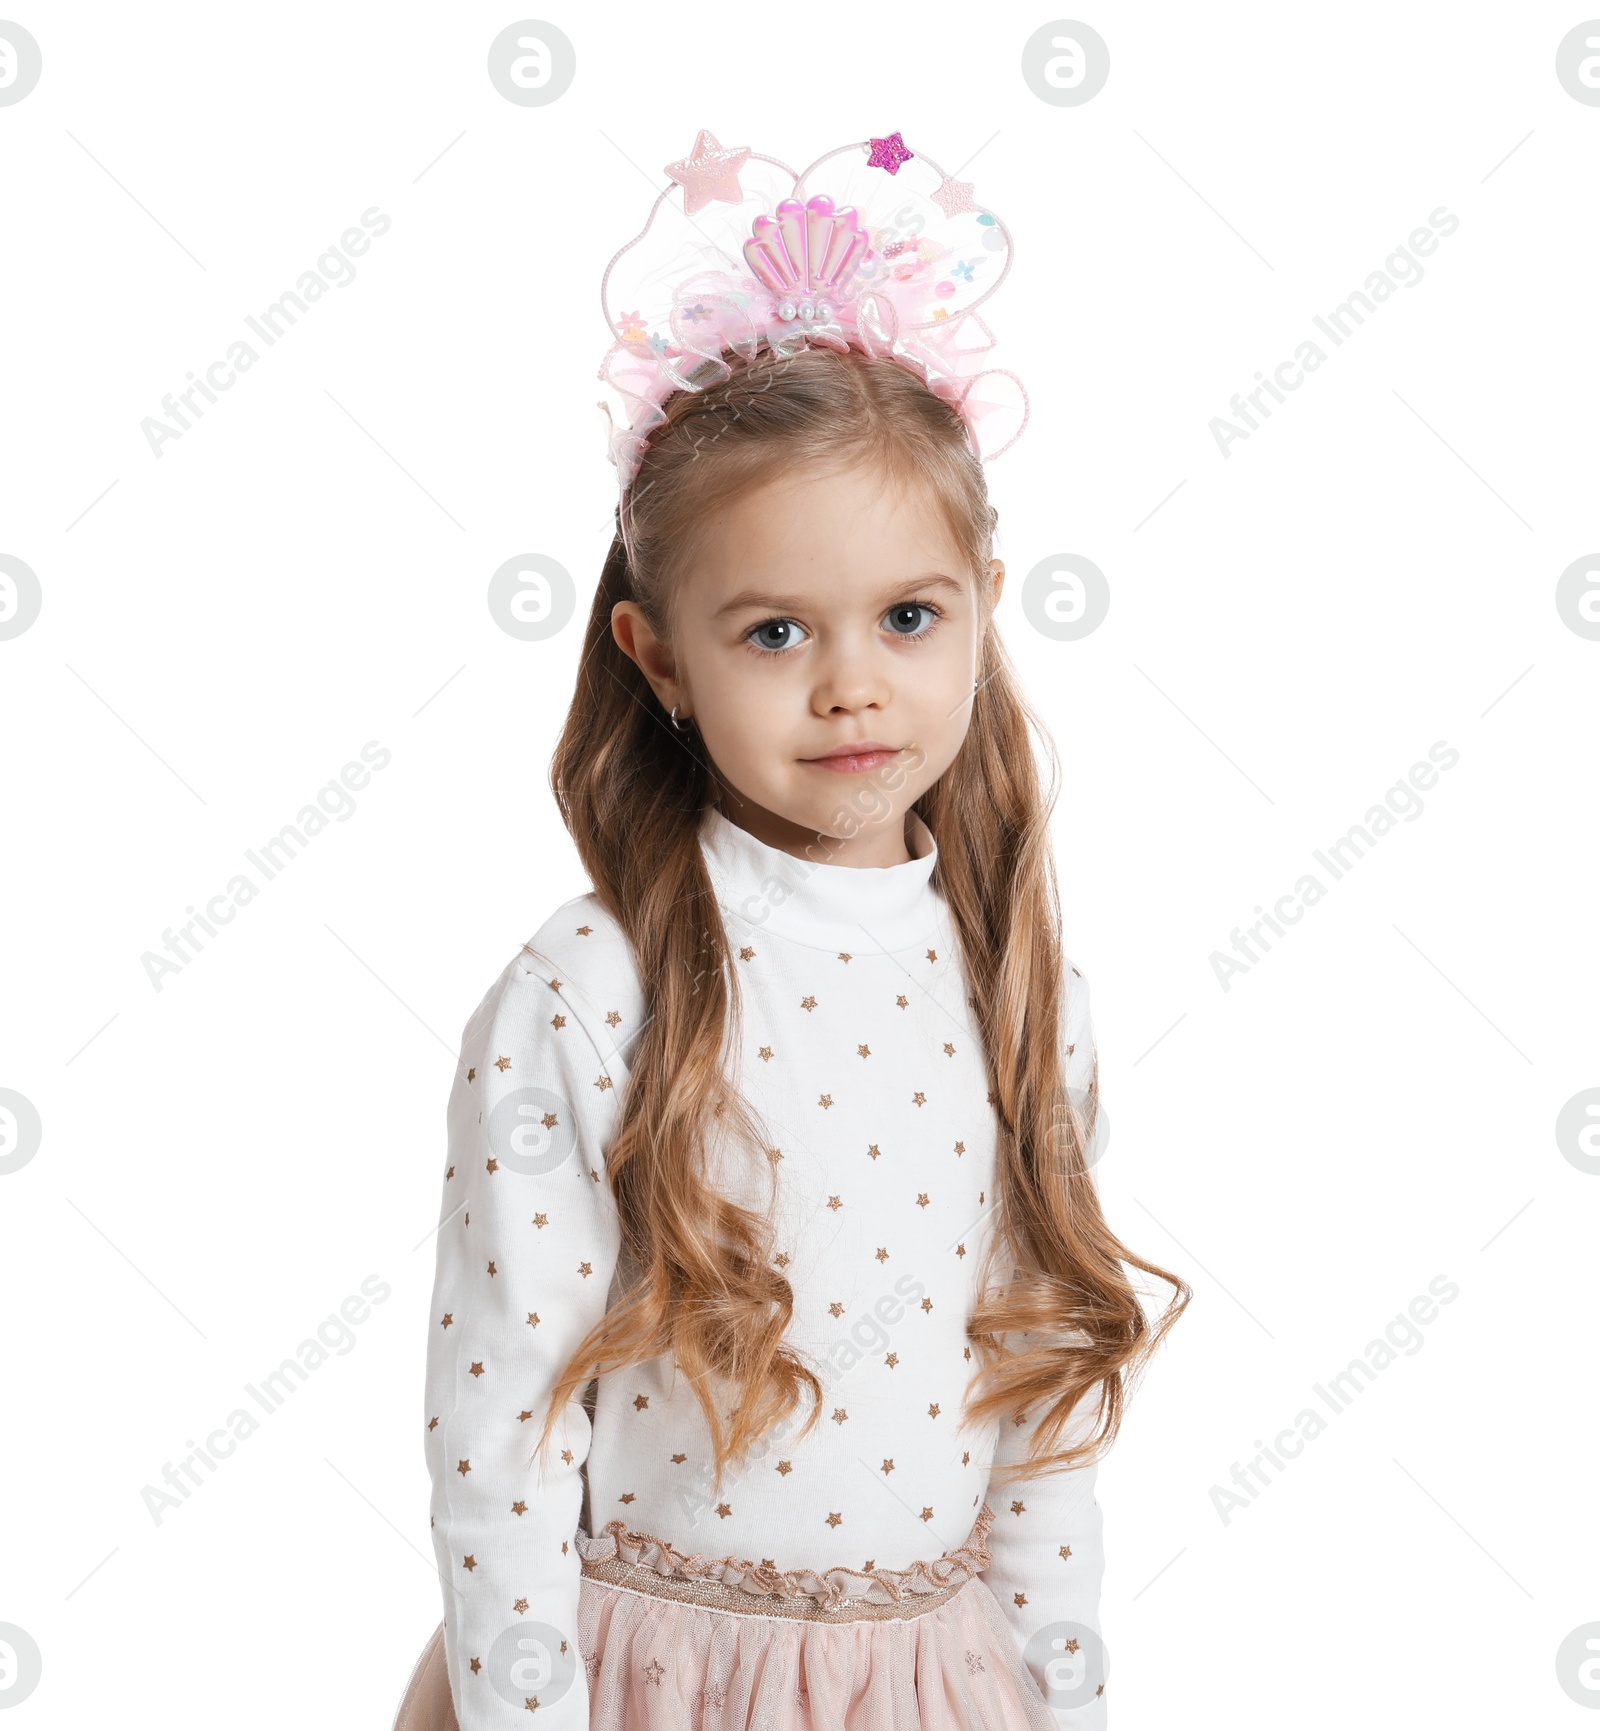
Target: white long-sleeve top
{"x": 858, "y": 1049}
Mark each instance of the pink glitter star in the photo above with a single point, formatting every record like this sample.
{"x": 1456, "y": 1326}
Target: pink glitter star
{"x": 888, "y": 152}
{"x": 709, "y": 172}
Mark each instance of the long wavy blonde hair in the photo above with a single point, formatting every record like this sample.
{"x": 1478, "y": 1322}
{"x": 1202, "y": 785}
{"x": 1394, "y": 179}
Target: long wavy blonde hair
{"x": 631, "y": 789}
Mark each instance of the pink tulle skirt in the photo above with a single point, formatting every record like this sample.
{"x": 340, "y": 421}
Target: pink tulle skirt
{"x": 676, "y": 1643}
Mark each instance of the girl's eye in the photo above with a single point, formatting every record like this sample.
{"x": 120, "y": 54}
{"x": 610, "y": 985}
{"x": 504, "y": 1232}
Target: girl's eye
{"x": 912, "y": 630}
{"x": 776, "y": 637}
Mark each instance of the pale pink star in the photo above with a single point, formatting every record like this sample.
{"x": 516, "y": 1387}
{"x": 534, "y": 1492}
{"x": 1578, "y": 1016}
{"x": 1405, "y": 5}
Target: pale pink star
{"x": 709, "y": 172}
{"x": 953, "y": 197}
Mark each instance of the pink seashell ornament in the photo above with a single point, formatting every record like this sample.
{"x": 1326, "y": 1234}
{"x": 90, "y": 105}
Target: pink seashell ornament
{"x": 807, "y": 255}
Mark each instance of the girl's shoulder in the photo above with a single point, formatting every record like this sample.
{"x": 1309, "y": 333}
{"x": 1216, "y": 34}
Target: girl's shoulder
{"x": 583, "y": 955}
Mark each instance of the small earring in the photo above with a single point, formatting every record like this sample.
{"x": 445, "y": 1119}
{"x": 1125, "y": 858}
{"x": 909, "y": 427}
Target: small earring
{"x": 682, "y": 726}
{"x": 974, "y": 684}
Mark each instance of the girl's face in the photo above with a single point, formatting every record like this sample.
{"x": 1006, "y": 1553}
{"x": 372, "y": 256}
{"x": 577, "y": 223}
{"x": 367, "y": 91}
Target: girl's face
{"x": 822, "y": 611}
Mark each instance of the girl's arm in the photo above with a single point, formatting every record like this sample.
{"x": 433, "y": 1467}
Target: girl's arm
{"x": 525, "y": 1254}
{"x": 1048, "y": 1562}
{"x": 1046, "y": 1539}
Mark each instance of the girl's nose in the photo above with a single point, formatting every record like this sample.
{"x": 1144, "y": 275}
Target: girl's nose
{"x": 850, "y": 681}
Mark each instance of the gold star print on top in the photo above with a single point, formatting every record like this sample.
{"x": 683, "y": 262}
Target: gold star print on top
{"x": 858, "y": 1051}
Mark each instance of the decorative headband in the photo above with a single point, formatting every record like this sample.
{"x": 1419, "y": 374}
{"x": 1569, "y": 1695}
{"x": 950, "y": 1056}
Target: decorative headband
{"x": 894, "y": 258}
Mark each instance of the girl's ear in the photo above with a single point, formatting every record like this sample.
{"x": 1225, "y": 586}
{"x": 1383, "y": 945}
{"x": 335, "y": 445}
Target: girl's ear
{"x": 997, "y": 578}
{"x": 640, "y": 644}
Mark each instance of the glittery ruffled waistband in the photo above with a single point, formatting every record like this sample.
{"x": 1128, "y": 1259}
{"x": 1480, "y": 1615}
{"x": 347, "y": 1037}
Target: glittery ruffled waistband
{"x": 619, "y": 1555}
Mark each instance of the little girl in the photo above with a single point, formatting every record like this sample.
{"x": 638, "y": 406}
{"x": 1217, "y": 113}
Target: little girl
{"x": 772, "y": 1270}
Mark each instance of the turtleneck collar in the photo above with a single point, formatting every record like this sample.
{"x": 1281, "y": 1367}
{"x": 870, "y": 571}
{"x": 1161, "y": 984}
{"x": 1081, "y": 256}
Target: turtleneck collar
{"x": 830, "y": 907}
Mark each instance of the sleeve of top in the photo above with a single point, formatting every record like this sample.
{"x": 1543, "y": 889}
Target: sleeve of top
{"x": 526, "y": 1248}
{"x": 1046, "y": 1542}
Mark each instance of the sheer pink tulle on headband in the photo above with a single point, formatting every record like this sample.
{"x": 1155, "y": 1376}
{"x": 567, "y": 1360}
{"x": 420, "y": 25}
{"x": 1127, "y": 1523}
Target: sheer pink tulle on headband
{"x": 873, "y": 246}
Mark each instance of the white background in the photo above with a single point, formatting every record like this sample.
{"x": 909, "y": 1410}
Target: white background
{"x": 1291, "y": 627}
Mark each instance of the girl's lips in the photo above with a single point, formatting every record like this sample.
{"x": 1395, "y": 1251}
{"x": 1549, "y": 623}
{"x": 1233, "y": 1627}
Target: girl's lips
{"x": 854, "y": 763}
